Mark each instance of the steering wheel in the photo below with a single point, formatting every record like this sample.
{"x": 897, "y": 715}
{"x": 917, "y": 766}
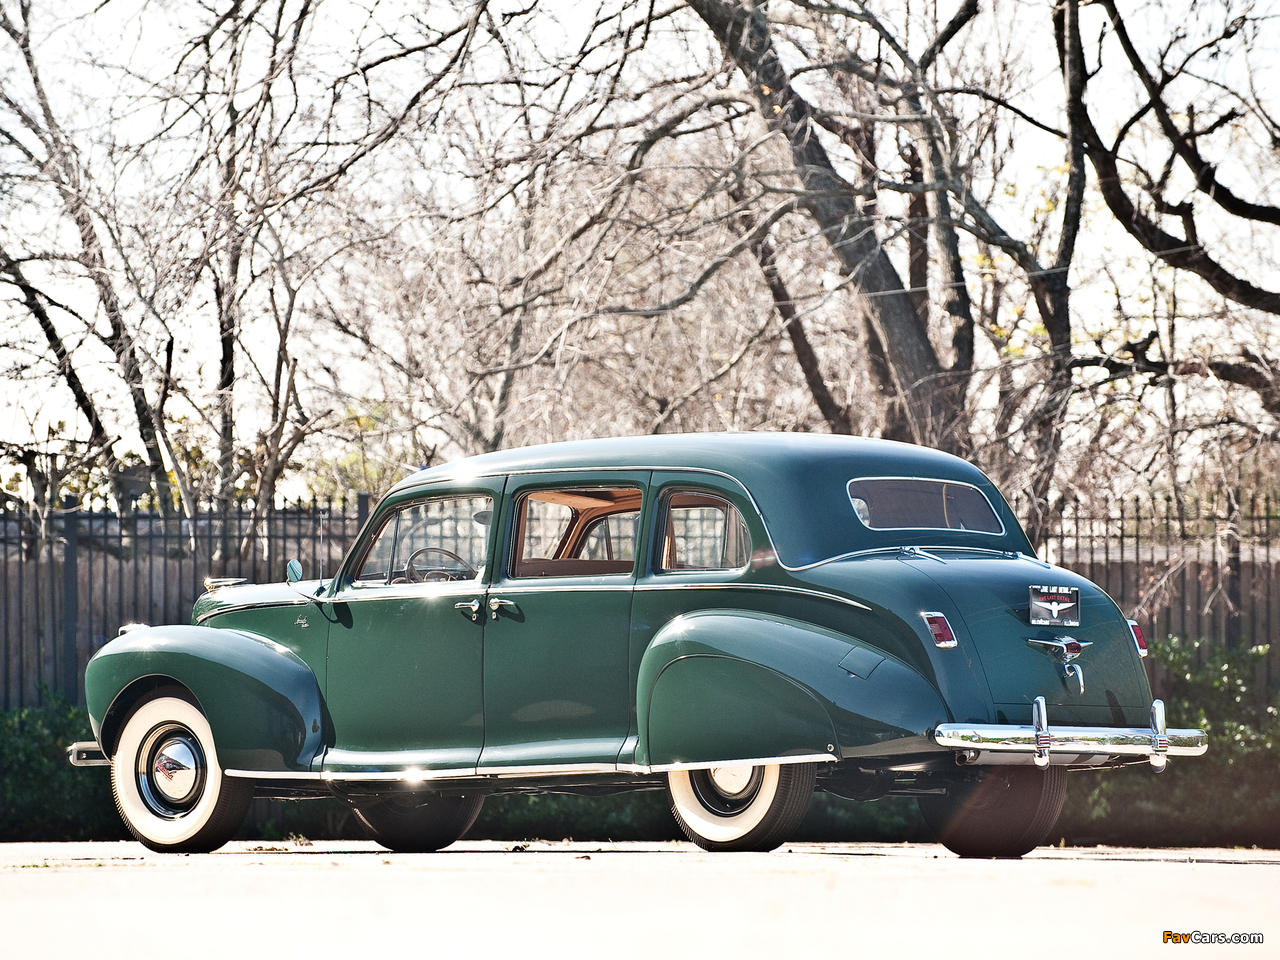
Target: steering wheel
{"x": 414, "y": 577}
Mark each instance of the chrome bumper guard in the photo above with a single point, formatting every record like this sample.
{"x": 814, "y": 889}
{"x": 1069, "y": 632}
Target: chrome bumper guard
{"x": 87, "y": 753}
{"x": 1042, "y": 744}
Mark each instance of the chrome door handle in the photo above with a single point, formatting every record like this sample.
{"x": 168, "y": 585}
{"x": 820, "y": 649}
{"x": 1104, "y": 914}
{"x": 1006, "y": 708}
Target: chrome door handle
{"x": 472, "y": 607}
{"x": 497, "y": 603}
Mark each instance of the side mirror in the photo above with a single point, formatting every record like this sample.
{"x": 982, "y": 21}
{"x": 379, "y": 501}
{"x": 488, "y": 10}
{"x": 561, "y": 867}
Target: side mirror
{"x": 293, "y": 571}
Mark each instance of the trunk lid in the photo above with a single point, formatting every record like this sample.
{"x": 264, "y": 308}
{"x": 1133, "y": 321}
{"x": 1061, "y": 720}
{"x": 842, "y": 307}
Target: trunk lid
{"x": 994, "y": 596}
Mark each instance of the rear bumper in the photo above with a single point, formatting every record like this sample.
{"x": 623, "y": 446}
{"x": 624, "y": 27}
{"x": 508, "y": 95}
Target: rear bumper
{"x": 1041, "y": 744}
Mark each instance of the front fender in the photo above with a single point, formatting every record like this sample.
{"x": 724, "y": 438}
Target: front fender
{"x": 261, "y": 700}
{"x": 739, "y": 684}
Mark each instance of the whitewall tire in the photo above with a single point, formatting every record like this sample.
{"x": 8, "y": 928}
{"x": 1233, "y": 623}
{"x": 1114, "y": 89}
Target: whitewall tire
{"x": 167, "y": 782}
{"x": 741, "y": 807}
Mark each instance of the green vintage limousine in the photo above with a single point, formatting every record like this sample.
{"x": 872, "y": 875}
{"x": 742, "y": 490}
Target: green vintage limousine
{"x": 736, "y": 619}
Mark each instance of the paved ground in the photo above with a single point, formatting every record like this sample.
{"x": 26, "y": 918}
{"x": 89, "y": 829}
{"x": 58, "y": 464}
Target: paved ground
{"x": 481, "y": 899}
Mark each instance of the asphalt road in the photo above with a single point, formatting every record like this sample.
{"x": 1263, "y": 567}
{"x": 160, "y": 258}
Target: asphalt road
{"x": 483, "y": 899}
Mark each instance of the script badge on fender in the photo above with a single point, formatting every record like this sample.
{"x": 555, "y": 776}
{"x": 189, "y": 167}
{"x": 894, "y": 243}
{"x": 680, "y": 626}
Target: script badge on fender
{"x": 1055, "y": 606}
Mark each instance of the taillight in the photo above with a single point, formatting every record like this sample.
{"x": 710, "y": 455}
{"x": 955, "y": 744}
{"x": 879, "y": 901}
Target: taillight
{"x": 941, "y": 630}
{"x": 1139, "y": 640}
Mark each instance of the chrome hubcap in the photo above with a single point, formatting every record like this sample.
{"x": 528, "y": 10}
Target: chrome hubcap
{"x": 171, "y": 771}
{"x": 726, "y": 791}
{"x": 174, "y": 770}
{"x": 731, "y": 781}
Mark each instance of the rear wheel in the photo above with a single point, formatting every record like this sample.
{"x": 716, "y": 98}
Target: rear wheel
{"x": 166, "y": 779}
{"x": 1007, "y": 813}
{"x": 739, "y": 807}
{"x": 413, "y": 824}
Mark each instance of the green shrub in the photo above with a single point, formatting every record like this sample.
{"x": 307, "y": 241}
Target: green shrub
{"x": 43, "y": 797}
{"x": 1229, "y": 797}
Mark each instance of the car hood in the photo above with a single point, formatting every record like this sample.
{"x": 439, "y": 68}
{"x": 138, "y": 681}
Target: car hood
{"x": 986, "y": 598}
{"x": 251, "y": 595}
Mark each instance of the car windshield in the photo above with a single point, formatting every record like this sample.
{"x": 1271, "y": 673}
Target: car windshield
{"x": 906, "y": 503}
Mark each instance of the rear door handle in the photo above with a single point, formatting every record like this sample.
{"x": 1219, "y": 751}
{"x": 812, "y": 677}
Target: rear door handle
{"x": 496, "y": 604}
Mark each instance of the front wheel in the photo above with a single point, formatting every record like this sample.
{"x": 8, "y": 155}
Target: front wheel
{"x": 166, "y": 779}
{"x": 412, "y": 824}
{"x": 741, "y": 808}
{"x": 1006, "y": 813}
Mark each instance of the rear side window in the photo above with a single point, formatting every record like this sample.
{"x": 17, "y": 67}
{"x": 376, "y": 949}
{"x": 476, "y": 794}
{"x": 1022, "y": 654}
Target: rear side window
{"x": 908, "y": 503}
{"x": 703, "y": 532}
{"x": 576, "y": 531}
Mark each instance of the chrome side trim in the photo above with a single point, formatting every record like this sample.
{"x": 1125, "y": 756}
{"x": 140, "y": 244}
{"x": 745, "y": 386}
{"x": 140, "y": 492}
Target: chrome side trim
{"x": 753, "y": 586}
{"x": 1039, "y": 742}
{"x": 756, "y": 762}
{"x": 548, "y": 770}
{"x": 532, "y": 770}
{"x": 236, "y": 608}
{"x": 87, "y": 753}
{"x": 272, "y": 774}
{"x": 401, "y": 776}
{"x": 938, "y": 548}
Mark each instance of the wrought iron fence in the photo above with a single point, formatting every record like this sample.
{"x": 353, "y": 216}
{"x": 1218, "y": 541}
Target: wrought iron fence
{"x": 1202, "y": 568}
{"x": 1198, "y": 568}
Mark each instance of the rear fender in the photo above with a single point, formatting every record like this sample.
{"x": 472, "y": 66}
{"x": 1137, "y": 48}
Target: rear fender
{"x": 737, "y": 684}
{"x": 261, "y": 700}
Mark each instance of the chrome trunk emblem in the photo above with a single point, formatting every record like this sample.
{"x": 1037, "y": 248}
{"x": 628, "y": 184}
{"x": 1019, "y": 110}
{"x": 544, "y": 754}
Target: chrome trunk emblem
{"x": 1064, "y": 650}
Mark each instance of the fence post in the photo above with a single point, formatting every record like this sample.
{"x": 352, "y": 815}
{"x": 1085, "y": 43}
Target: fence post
{"x": 1235, "y": 593}
{"x": 70, "y": 596}
{"x": 362, "y": 510}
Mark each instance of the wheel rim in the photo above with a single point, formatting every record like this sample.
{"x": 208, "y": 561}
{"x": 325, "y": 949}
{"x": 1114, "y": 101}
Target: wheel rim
{"x": 171, "y": 771}
{"x": 726, "y": 791}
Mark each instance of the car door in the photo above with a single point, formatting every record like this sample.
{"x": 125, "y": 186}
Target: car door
{"x": 404, "y": 685}
{"x": 556, "y": 686}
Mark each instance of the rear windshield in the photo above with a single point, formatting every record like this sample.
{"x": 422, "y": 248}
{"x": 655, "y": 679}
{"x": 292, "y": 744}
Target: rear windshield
{"x": 903, "y": 503}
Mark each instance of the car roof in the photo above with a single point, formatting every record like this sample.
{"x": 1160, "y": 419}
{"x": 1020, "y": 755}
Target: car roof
{"x": 745, "y": 456}
{"x": 799, "y": 480}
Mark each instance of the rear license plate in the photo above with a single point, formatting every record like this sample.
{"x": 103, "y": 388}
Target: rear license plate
{"x": 1055, "y": 606}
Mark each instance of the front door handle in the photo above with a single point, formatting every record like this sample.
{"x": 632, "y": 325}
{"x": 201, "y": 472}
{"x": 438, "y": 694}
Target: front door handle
{"x": 496, "y": 604}
{"x": 472, "y": 607}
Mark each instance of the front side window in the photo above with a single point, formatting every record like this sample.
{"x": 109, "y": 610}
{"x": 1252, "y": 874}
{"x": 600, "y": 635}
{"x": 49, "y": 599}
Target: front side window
{"x": 703, "y": 532}
{"x": 903, "y": 503}
{"x": 577, "y": 531}
{"x": 442, "y": 539}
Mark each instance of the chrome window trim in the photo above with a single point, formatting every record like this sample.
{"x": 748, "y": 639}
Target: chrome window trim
{"x": 664, "y": 511}
{"x": 668, "y": 468}
{"x": 514, "y": 500}
{"x": 410, "y": 591}
{"x": 754, "y": 586}
{"x": 959, "y": 483}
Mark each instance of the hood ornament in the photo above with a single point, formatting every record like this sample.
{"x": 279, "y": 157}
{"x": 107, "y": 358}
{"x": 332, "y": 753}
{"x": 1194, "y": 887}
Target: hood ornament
{"x": 1064, "y": 650}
